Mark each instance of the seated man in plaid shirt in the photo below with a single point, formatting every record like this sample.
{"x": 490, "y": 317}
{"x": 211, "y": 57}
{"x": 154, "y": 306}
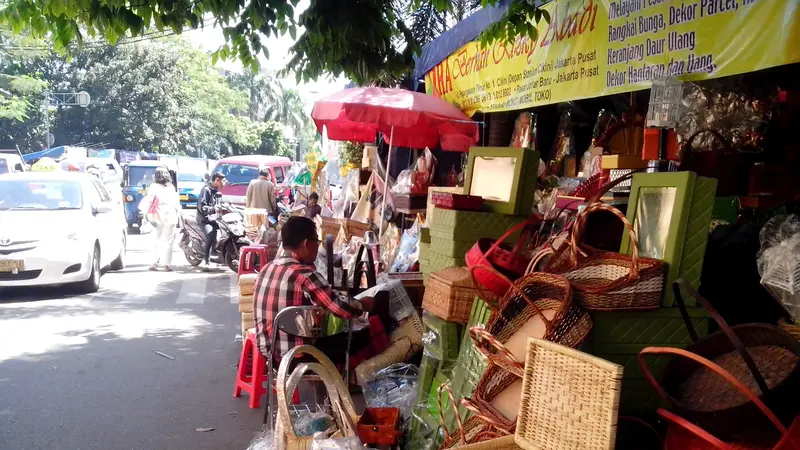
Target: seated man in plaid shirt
{"x": 292, "y": 280}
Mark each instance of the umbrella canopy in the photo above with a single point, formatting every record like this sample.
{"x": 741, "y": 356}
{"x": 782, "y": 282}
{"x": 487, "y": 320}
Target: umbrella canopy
{"x": 418, "y": 120}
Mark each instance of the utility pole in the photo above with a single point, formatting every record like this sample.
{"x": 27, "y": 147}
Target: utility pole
{"x": 81, "y": 99}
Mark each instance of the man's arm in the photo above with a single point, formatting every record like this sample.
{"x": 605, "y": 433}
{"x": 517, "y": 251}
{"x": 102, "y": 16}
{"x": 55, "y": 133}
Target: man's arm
{"x": 273, "y": 203}
{"x": 322, "y": 295}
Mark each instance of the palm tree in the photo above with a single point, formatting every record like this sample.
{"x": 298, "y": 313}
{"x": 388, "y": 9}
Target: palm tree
{"x": 288, "y": 110}
{"x": 262, "y": 88}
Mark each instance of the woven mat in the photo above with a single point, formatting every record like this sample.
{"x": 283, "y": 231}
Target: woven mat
{"x": 706, "y": 391}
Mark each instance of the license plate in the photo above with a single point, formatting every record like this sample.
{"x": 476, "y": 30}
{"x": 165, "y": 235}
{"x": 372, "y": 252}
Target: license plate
{"x": 12, "y": 265}
{"x": 184, "y": 198}
{"x": 141, "y": 191}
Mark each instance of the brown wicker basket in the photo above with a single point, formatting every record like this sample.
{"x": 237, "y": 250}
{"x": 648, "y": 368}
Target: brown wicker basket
{"x": 491, "y": 384}
{"x": 449, "y": 294}
{"x": 501, "y": 443}
{"x": 607, "y": 281}
{"x": 247, "y": 283}
{"x": 762, "y": 357}
{"x": 530, "y": 296}
{"x": 343, "y": 410}
{"x": 245, "y": 303}
{"x": 570, "y": 399}
{"x": 472, "y": 431}
{"x": 790, "y": 327}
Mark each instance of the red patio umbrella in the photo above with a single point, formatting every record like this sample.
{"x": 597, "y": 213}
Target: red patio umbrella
{"x": 411, "y": 119}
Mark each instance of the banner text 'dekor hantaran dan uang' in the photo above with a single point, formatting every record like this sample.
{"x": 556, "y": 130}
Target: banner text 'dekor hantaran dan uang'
{"x": 593, "y": 48}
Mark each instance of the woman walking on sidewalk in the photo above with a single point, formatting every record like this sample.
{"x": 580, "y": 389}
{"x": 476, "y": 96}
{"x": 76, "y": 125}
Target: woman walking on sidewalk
{"x": 162, "y": 206}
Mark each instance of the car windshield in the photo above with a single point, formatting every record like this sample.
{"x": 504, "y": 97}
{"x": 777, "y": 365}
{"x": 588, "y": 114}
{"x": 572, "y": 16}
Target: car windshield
{"x": 138, "y": 176}
{"x": 45, "y": 195}
{"x": 238, "y": 173}
{"x": 186, "y": 176}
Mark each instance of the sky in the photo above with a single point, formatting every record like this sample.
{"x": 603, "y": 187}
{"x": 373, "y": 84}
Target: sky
{"x": 210, "y": 39}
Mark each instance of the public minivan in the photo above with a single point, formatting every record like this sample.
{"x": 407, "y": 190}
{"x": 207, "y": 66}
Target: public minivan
{"x": 240, "y": 170}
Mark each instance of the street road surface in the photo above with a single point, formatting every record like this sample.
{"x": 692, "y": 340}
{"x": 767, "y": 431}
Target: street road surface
{"x": 79, "y": 372}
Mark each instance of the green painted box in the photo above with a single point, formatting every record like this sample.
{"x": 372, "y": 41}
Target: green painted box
{"x": 620, "y": 336}
{"x": 424, "y": 250}
{"x": 671, "y": 213}
{"x": 469, "y": 226}
{"x": 425, "y": 235}
{"x": 437, "y": 262}
{"x": 504, "y": 176}
{"x": 451, "y": 247}
{"x": 442, "y": 338}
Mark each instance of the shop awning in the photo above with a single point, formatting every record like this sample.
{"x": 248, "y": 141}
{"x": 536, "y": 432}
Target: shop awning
{"x": 451, "y": 40}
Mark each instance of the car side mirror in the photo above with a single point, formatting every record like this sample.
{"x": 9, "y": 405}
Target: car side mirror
{"x": 101, "y": 208}
{"x": 18, "y": 168}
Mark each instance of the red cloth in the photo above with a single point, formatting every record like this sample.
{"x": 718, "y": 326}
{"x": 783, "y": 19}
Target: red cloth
{"x": 412, "y": 119}
{"x": 378, "y": 343}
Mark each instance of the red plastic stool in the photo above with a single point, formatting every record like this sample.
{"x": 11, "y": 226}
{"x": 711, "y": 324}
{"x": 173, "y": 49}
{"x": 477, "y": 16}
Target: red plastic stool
{"x": 247, "y": 262}
{"x": 252, "y": 381}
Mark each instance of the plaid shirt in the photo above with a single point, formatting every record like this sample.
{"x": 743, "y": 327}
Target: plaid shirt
{"x": 287, "y": 282}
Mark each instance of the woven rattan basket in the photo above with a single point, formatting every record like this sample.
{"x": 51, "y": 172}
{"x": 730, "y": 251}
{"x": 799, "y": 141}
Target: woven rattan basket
{"x": 607, "y": 281}
{"x": 570, "y": 400}
{"x": 472, "y": 431}
{"x": 247, "y": 283}
{"x": 245, "y": 303}
{"x": 396, "y": 352}
{"x": 449, "y": 294}
{"x": 501, "y": 443}
{"x": 343, "y": 410}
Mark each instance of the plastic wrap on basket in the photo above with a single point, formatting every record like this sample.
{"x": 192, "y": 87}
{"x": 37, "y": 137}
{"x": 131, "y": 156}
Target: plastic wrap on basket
{"x": 779, "y": 261}
{"x": 393, "y": 387}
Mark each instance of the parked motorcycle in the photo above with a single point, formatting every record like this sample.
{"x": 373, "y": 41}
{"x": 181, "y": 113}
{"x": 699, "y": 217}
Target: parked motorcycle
{"x": 231, "y": 237}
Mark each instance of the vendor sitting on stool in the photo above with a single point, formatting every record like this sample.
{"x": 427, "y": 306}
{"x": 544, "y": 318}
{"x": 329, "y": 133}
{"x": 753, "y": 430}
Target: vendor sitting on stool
{"x": 292, "y": 280}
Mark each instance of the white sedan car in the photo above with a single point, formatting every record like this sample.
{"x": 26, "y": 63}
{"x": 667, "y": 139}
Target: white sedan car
{"x": 58, "y": 228}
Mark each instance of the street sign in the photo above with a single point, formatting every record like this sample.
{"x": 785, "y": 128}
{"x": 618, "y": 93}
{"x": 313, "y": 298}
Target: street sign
{"x": 83, "y": 99}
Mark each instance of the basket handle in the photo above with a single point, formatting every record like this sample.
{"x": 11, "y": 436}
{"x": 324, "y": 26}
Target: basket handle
{"x": 446, "y": 388}
{"x": 483, "y": 292}
{"x": 476, "y": 411}
{"x": 694, "y": 429}
{"x": 533, "y": 220}
{"x": 360, "y": 270}
{"x": 543, "y": 252}
{"x": 326, "y": 371}
{"x": 480, "y": 336}
{"x": 711, "y": 366}
{"x": 610, "y": 185}
{"x": 687, "y": 145}
{"x": 577, "y": 232}
{"x": 521, "y": 293}
{"x": 723, "y": 325}
{"x": 344, "y": 421}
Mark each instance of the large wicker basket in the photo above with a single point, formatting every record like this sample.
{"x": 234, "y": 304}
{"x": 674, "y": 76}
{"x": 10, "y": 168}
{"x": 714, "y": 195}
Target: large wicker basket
{"x": 449, "y": 294}
{"x": 344, "y": 412}
{"x": 472, "y": 431}
{"x": 607, "y": 281}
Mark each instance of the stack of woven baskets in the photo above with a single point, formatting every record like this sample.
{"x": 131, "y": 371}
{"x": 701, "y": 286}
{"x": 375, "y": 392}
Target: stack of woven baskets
{"x": 247, "y": 282}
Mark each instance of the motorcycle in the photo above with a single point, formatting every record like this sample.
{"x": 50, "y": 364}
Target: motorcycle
{"x": 231, "y": 237}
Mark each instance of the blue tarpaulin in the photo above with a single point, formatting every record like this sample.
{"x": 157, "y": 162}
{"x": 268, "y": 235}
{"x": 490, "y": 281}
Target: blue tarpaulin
{"x": 451, "y": 40}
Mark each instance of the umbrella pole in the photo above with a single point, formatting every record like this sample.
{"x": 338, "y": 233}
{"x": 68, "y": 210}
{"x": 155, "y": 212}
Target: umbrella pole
{"x": 386, "y": 181}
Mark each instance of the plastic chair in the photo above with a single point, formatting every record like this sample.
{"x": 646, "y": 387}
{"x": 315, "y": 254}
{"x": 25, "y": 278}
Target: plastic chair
{"x": 247, "y": 263}
{"x": 252, "y": 381}
{"x": 308, "y": 322}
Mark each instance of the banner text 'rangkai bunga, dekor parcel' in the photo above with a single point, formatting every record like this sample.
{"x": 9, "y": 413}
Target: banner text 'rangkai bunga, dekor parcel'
{"x": 593, "y": 48}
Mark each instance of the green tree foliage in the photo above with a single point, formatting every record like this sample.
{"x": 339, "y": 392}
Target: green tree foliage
{"x": 287, "y": 108}
{"x": 363, "y": 40}
{"x": 157, "y": 95}
{"x": 18, "y": 93}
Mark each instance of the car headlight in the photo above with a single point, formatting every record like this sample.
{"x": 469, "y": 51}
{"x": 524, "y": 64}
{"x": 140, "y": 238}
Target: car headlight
{"x": 128, "y": 198}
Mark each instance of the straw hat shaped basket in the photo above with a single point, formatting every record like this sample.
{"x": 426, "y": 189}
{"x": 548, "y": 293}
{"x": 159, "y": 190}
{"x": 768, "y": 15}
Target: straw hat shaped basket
{"x": 763, "y": 357}
{"x": 608, "y": 281}
{"x": 344, "y": 412}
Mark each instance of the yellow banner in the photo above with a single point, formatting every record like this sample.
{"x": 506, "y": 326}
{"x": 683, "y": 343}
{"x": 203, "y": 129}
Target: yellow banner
{"x": 593, "y": 48}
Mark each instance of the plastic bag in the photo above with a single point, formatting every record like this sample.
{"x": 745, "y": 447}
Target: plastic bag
{"x": 779, "y": 261}
{"x": 348, "y": 443}
{"x": 408, "y": 252}
{"x": 263, "y": 441}
{"x": 308, "y": 423}
{"x": 404, "y": 182}
{"x": 147, "y": 228}
{"x": 393, "y": 387}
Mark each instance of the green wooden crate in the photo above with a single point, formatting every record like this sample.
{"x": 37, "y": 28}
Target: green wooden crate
{"x": 470, "y": 364}
{"x": 433, "y": 394}
{"x": 437, "y": 262}
{"x": 444, "y": 337}
{"x": 424, "y": 251}
{"x": 470, "y": 225}
{"x": 683, "y": 245}
{"x": 663, "y": 326}
{"x": 450, "y": 247}
{"x": 425, "y": 235}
